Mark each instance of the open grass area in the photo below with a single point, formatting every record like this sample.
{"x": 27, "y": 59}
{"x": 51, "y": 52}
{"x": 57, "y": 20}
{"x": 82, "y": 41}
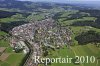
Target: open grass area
{"x": 5, "y": 64}
{"x": 3, "y": 41}
{"x": 87, "y": 50}
{"x": 3, "y": 33}
{"x": 64, "y": 21}
{"x": 38, "y": 17}
{"x": 65, "y": 14}
{"x": 13, "y": 60}
{"x": 9, "y": 50}
{"x": 6, "y": 20}
{"x": 80, "y": 50}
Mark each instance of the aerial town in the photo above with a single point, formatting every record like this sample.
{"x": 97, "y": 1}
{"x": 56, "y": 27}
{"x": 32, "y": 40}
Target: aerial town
{"x": 32, "y": 36}
{"x": 49, "y": 32}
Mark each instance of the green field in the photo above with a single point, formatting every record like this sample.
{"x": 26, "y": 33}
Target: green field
{"x": 4, "y": 20}
{"x": 85, "y": 50}
{"x": 64, "y": 22}
{"x": 14, "y": 59}
{"x": 36, "y": 17}
{"x": 3, "y": 41}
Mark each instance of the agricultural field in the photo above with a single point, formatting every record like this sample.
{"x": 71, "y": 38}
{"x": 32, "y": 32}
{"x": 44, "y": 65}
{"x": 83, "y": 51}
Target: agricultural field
{"x": 79, "y": 50}
{"x": 75, "y": 18}
{"x": 6, "y": 20}
{"x": 3, "y": 41}
{"x": 14, "y": 59}
{"x": 8, "y": 57}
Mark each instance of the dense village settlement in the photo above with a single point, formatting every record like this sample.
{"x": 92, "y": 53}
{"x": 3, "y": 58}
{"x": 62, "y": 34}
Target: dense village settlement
{"x": 31, "y": 37}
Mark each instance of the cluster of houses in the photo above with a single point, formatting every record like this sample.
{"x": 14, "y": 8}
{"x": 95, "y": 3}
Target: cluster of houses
{"x": 46, "y": 32}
